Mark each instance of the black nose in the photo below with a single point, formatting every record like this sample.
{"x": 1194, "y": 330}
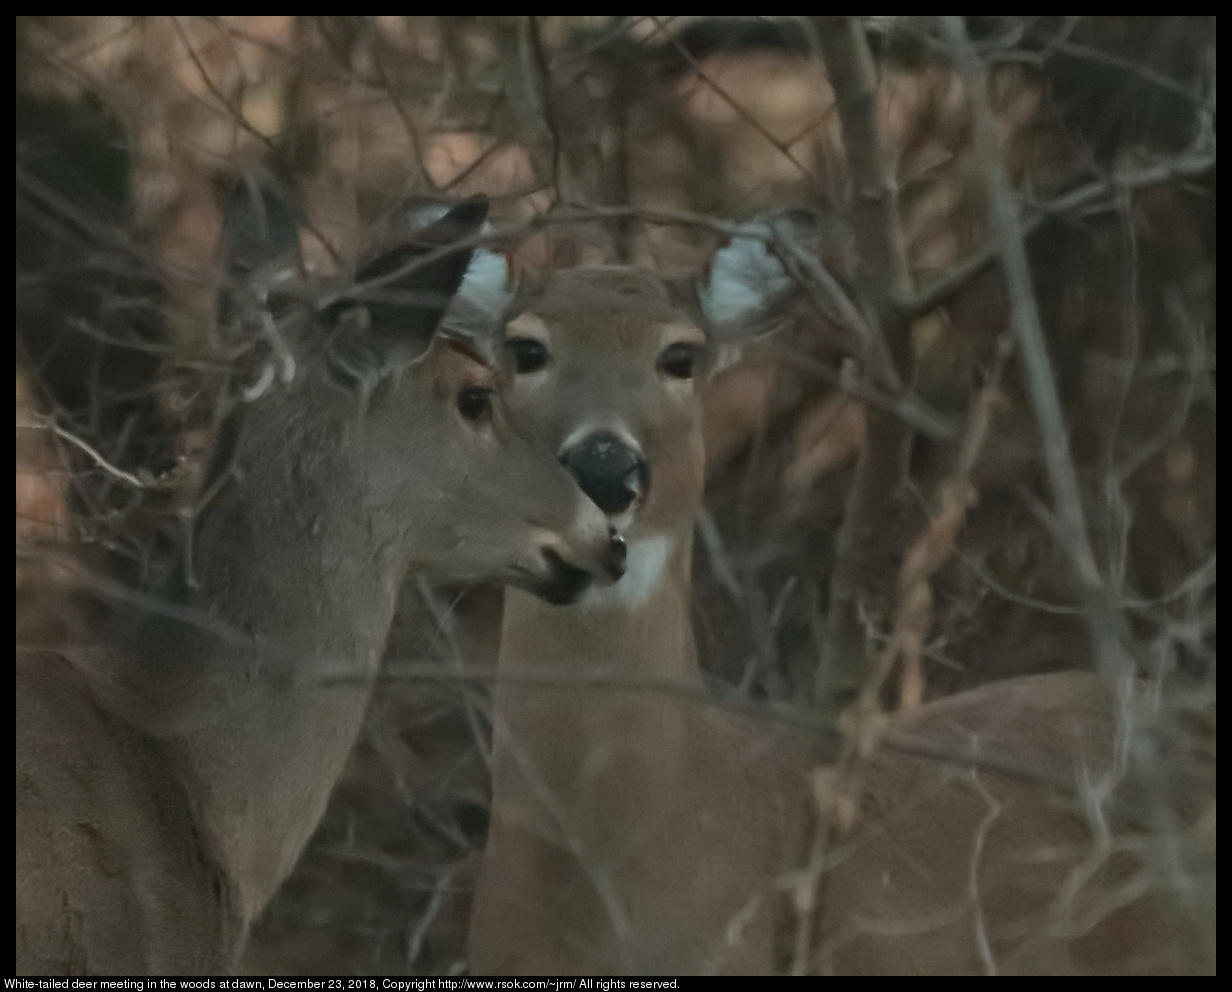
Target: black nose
{"x": 608, "y": 470}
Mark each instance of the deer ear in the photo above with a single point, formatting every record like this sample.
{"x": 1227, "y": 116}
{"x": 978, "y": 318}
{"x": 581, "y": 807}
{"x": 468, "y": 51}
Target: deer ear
{"x": 259, "y": 246}
{"x": 481, "y": 306}
{"x": 478, "y": 312}
{"x": 400, "y": 298}
{"x": 749, "y": 283}
{"x": 259, "y": 231}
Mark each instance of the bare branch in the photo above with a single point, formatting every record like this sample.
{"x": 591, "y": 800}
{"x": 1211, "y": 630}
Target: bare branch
{"x": 1041, "y": 381}
{"x": 77, "y": 442}
{"x": 874, "y": 203}
{"x": 873, "y": 514}
{"x": 742, "y": 112}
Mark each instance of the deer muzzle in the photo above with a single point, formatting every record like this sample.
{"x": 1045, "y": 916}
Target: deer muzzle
{"x": 608, "y": 470}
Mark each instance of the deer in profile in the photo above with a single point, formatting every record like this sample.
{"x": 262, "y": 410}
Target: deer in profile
{"x": 168, "y": 780}
{"x": 639, "y": 828}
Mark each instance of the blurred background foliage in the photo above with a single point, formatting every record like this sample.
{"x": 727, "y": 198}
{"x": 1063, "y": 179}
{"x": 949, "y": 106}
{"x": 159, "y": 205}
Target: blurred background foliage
{"x": 639, "y": 140}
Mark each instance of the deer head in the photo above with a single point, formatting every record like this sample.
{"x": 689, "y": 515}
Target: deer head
{"x": 605, "y": 365}
{"x": 408, "y": 413}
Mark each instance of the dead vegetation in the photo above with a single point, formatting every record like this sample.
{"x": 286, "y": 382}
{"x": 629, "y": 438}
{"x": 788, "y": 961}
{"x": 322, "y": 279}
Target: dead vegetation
{"x": 979, "y": 444}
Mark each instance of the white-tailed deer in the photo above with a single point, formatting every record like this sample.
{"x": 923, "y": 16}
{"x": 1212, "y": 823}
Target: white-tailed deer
{"x": 638, "y": 827}
{"x": 167, "y": 781}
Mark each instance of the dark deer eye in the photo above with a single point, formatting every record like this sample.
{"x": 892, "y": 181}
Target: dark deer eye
{"x": 678, "y": 360}
{"x": 475, "y": 402}
{"x": 529, "y": 355}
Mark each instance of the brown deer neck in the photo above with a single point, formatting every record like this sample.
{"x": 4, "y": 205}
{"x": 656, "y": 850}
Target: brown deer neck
{"x": 636, "y": 630}
{"x": 592, "y": 700}
{"x": 263, "y": 696}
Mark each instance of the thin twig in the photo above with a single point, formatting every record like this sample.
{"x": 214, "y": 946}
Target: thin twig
{"x": 731, "y": 101}
{"x": 539, "y": 85}
{"x": 1041, "y": 381}
{"x": 874, "y": 201}
{"x": 235, "y": 113}
{"x": 1099, "y": 193}
{"x": 73, "y": 439}
{"x": 871, "y": 509}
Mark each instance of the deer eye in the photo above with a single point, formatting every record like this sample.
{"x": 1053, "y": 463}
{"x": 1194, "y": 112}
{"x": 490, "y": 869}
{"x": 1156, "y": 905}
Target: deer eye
{"x": 475, "y": 402}
{"x": 678, "y": 360}
{"x": 529, "y": 355}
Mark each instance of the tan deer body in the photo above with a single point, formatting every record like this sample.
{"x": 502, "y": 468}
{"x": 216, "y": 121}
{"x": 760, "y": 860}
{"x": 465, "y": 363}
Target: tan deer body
{"x": 1047, "y": 853}
{"x": 639, "y": 828}
{"x": 592, "y": 863}
{"x": 167, "y": 782}
{"x": 610, "y": 771}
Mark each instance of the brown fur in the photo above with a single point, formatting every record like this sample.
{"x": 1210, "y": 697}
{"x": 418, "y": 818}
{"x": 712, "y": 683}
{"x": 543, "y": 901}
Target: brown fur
{"x": 168, "y": 780}
{"x": 1001, "y": 866}
{"x": 611, "y": 780}
{"x": 640, "y": 828}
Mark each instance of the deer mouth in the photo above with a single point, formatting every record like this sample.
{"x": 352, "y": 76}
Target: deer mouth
{"x": 558, "y": 581}
{"x": 563, "y": 584}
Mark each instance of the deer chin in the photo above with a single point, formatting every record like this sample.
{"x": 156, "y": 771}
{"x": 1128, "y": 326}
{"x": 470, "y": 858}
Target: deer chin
{"x": 626, "y": 520}
{"x": 645, "y": 569}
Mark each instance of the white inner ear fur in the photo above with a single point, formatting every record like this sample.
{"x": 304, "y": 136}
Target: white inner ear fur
{"x": 427, "y": 214}
{"x": 487, "y": 283}
{"x": 484, "y": 296}
{"x": 745, "y": 278}
{"x": 486, "y": 291}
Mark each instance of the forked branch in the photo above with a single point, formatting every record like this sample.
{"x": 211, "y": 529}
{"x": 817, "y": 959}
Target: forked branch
{"x": 868, "y": 540}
